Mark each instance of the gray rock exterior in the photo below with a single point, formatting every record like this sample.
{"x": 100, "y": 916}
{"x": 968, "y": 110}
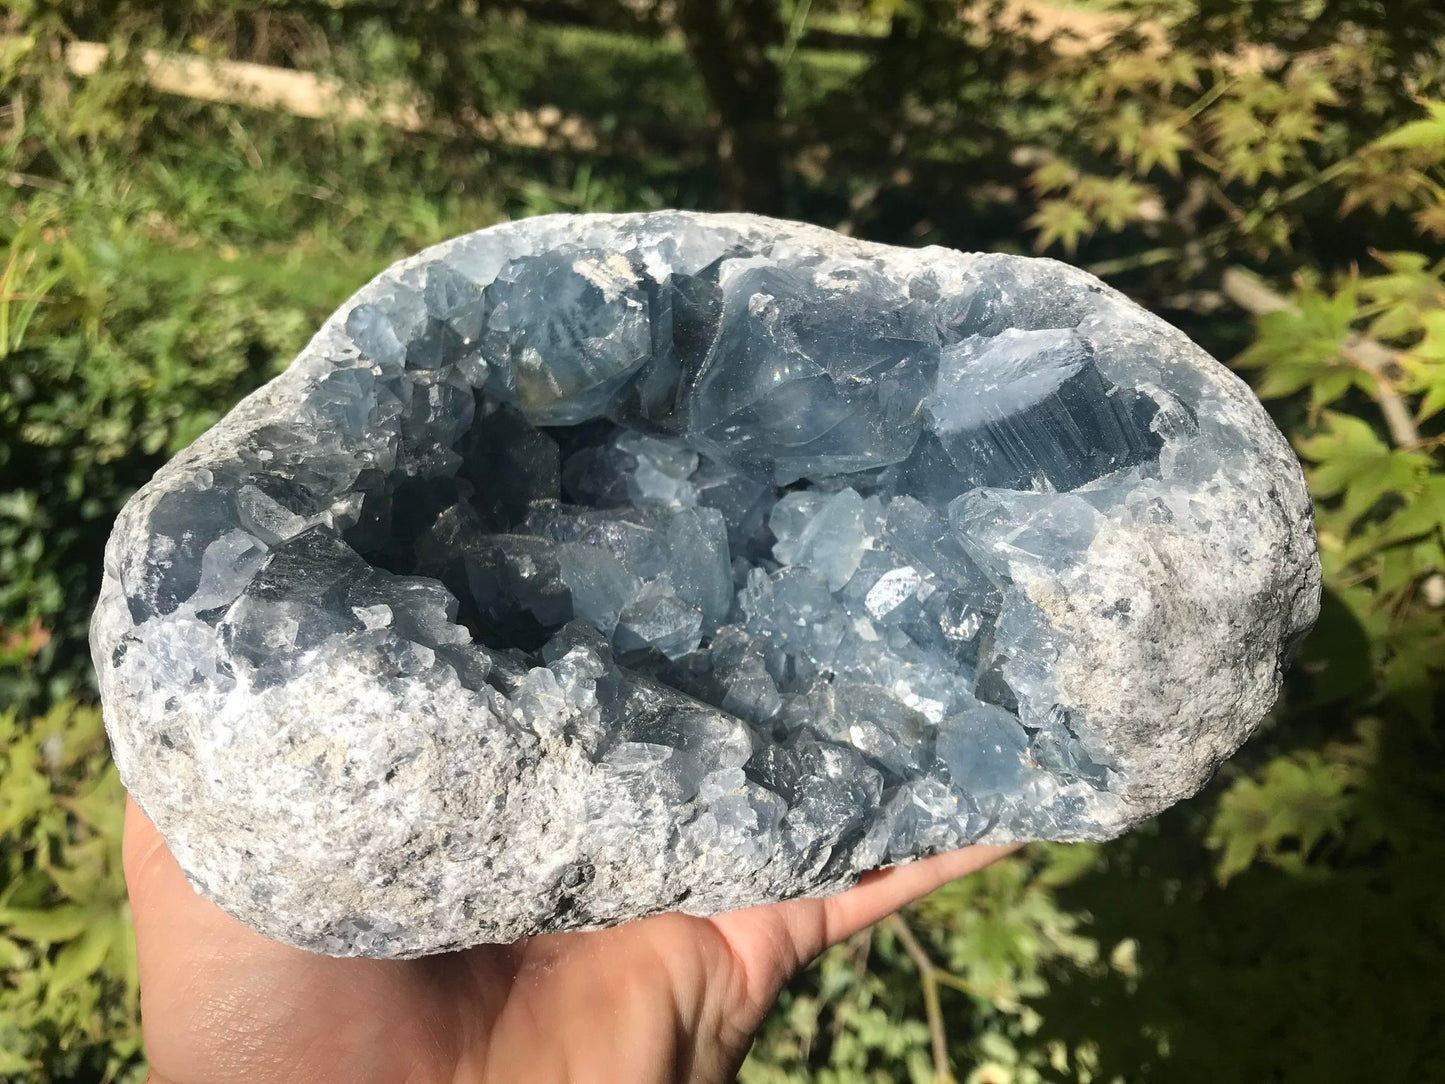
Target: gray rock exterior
{"x": 588, "y": 567}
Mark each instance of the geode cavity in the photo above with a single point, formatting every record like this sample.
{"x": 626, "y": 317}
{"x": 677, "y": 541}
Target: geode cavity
{"x": 589, "y": 567}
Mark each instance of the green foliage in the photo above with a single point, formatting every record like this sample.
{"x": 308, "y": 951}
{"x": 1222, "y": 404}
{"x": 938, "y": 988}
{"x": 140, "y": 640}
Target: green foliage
{"x": 1380, "y": 489}
{"x": 1270, "y": 176}
{"x": 68, "y": 985}
{"x": 994, "y": 936}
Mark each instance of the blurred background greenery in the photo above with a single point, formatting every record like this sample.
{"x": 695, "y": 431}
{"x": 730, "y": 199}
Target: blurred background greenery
{"x": 1269, "y": 174}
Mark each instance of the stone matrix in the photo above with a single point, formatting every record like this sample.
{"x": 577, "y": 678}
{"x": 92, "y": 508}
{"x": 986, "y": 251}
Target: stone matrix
{"x": 587, "y": 567}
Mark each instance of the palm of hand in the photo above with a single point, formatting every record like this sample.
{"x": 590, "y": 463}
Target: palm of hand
{"x": 670, "y": 998}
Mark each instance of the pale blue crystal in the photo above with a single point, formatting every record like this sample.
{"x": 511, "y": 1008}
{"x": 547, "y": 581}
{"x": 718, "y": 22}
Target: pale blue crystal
{"x": 656, "y": 617}
{"x": 823, "y": 532}
{"x": 1030, "y": 409}
{"x": 799, "y": 382}
{"x": 600, "y": 583}
{"x": 563, "y": 332}
{"x": 663, "y": 471}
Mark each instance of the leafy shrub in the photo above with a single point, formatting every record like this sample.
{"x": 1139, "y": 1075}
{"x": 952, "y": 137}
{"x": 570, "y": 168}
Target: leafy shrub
{"x": 68, "y": 986}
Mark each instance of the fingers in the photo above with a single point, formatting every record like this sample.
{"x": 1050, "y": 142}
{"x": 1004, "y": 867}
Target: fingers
{"x": 205, "y": 978}
{"x": 881, "y": 893}
{"x": 775, "y": 940}
{"x": 185, "y": 947}
{"x": 221, "y": 1003}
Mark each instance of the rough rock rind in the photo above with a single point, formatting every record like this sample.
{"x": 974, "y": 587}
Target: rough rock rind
{"x": 1086, "y": 608}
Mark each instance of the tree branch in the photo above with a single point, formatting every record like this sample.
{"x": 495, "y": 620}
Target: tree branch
{"x": 928, "y": 973}
{"x": 1379, "y": 361}
{"x": 305, "y": 94}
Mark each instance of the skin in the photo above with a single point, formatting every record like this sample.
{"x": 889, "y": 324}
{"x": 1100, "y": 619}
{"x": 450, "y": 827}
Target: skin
{"x": 669, "y": 998}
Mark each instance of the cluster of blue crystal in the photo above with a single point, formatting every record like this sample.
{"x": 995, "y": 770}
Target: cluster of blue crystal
{"x": 754, "y": 483}
{"x": 745, "y": 512}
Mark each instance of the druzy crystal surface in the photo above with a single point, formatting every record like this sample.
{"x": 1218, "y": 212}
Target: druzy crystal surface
{"x": 588, "y": 567}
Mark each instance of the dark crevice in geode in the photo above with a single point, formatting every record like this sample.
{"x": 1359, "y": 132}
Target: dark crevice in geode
{"x": 679, "y": 546}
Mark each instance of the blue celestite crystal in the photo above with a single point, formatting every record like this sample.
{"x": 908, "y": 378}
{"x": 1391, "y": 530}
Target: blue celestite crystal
{"x": 587, "y": 567}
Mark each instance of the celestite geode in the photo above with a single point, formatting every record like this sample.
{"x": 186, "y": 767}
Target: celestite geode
{"x": 588, "y": 567}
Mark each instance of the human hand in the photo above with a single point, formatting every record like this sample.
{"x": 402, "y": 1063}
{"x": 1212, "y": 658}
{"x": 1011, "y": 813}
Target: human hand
{"x": 665, "y": 999}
